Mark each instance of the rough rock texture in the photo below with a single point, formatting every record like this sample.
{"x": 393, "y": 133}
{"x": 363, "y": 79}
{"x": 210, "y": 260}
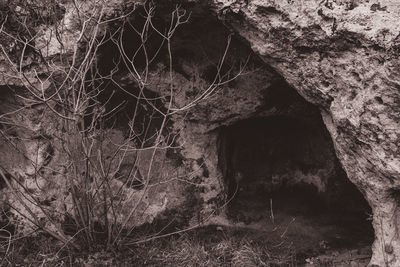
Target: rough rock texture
{"x": 339, "y": 55}
{"x": 343, "y": 57}
{"x": 38, "y": 145}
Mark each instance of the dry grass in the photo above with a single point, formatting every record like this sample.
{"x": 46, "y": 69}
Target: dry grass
{"x": 208, "y": 246}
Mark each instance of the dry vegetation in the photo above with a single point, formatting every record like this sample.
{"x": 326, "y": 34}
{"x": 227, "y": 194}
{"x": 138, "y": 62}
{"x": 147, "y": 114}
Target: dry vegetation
{"x": 77, "y": 192}
{"x": 207, "y": 246}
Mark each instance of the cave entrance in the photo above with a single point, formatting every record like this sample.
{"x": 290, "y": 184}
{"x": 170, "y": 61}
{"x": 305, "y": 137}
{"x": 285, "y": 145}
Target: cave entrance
{"x": 282, "y": 171}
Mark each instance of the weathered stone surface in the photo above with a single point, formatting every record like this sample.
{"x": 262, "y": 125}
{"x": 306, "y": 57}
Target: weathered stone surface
{"x": 38, "y": 145}
{"x": 343, "y": 57}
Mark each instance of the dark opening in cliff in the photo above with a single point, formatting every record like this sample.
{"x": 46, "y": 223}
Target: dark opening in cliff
{"x": 278, "y": 166}
{"x": 282, "y": 170}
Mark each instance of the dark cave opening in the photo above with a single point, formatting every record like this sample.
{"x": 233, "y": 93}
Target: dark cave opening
{"x": 283, "y": 164}
{"x": 280, "y": 167}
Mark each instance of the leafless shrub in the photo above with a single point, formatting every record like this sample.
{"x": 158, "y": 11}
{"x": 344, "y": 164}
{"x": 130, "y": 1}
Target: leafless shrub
{"x": 55, "y": 67}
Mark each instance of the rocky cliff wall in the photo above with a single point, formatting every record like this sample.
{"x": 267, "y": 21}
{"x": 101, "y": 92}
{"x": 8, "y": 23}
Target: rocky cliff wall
{"x": 341, "y": 56}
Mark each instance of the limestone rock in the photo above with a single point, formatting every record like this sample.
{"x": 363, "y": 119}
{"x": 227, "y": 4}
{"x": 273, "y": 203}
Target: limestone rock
{"x": 343, "y": 57}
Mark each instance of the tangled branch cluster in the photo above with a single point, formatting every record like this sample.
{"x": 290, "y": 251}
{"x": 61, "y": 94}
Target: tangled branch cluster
{"x": 51, "y": 52}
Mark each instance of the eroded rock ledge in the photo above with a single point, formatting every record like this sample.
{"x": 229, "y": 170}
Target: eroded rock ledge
{"x": 340, "y": 56}
{"x": 343, "y": 57}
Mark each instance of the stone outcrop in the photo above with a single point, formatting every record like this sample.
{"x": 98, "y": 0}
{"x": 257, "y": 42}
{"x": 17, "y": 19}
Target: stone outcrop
{"x": 343, "y": 57}
{"x": 340, "y": 56}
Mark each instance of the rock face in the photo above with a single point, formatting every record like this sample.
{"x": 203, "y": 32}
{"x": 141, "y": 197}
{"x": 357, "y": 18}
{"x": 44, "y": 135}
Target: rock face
{"x": 343, "y": 57}
{"x": 164, "y": 145}
{"x": 43, "y": 174}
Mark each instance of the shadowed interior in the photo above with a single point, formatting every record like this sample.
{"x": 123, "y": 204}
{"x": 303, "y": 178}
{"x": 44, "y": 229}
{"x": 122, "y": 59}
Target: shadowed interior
{"x": 278, "y": 168}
